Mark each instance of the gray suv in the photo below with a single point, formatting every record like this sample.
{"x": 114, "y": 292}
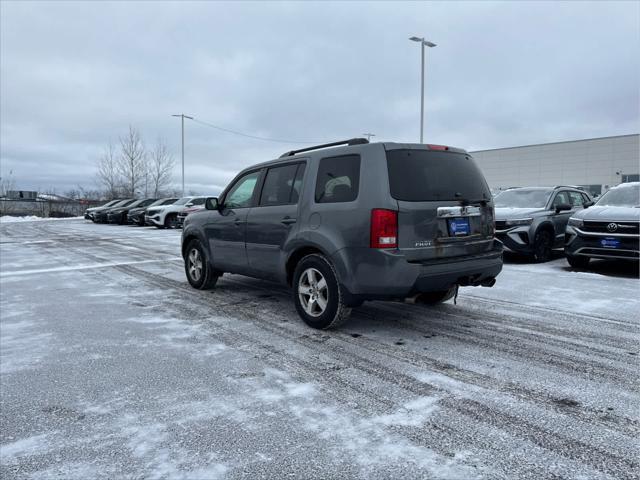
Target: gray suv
{"x": 362, "y": 221}
{"x": 532, "y": 220}
{"x": 610, "y": 229}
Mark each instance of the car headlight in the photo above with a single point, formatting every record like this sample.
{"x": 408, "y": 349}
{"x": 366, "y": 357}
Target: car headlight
{"x": 519, "y": 221}
{"x": 576, "y": 222}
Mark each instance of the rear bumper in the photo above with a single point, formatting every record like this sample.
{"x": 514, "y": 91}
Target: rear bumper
{"x": 592, "y": 245}
{"x": 369, "y": 274}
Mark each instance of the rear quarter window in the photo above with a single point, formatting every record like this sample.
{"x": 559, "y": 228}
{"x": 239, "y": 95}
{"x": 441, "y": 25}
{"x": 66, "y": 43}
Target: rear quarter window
{"x": 338, "y": 179}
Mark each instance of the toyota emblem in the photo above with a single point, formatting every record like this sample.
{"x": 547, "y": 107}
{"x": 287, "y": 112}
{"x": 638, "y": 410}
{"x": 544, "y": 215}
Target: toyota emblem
{"x": 612, "y": 227}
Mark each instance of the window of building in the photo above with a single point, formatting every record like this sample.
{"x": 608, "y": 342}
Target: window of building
{"x": 338, "y": 179}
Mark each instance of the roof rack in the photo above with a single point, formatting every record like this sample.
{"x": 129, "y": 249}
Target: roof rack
{"x": 352, "y": 141}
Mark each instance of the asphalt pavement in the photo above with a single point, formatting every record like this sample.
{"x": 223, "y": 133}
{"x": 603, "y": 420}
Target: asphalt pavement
{"x": 111, "y": 366}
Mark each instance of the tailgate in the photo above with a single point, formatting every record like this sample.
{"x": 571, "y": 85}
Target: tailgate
{"x": 433, "y": 230}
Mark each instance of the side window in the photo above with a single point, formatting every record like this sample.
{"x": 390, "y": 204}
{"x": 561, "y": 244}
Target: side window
{"x": 338, "y": 179}
{"x": 576, "y": 199}
{"x": 585, "y": 199}
{"x": 198, "y": 201}
{"x": 561, "y": 198}
{"x": 240, "y": 194}
{"x": 278, "y": 185}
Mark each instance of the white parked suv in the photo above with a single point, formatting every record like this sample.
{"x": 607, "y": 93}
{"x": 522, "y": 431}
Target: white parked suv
{"x": 166, "y": 216}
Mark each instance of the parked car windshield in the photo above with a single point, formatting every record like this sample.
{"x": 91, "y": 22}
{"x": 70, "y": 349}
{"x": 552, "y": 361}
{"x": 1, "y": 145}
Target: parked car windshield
{"x": 428, "y": 175}
{"x": 523, "y": 198}
{"x": 182, "y": 201}
{"x": 627, "y": 196}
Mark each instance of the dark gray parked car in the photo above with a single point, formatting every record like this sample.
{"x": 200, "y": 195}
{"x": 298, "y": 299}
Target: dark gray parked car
{"x": 343, "y": 225}
{"x": 532, "y": 220}
{"x": 89, "y": 212}
{"x": 610, "y": 229}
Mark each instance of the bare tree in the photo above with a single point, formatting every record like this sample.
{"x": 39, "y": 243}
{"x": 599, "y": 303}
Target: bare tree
{"x": 160, "y": 167}
{"x": 108, "y": 176}
{"x": 132, "y": 163}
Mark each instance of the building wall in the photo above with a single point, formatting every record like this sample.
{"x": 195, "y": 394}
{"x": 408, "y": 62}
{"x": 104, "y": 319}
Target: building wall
{"x": 580, "y": 162}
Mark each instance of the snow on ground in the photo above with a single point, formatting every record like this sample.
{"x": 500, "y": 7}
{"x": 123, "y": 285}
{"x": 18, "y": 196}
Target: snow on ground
{"x": 111, "y": 366}
{"x": 31, "y": 218}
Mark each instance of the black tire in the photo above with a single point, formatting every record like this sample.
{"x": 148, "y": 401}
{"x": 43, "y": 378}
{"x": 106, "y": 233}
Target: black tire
{"x": 141, "y": 222}
{"x": 433, "y": 298}
{"x": 204, "y": 278}
{"x": 335, "y": 311}
{"x": 578, "y": 262}
{"x": 542, "y": 246}
{"x": 171, "y": 220}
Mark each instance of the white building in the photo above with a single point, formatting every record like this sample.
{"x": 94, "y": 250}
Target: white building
{"x": 595, "y": 163}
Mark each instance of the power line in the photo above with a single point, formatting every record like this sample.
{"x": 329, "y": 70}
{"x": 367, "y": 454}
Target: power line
{"x": 266, "y": 139}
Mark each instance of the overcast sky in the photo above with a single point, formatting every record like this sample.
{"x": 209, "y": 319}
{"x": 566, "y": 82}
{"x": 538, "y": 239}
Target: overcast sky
{"x": 75, "y": 75}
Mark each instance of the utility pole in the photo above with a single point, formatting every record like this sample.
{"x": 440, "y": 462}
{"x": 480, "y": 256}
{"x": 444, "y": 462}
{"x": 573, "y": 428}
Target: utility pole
{"x": 369, "y": 135}
{"x": 183, "y": 116}
{"x": 429, "y": 44}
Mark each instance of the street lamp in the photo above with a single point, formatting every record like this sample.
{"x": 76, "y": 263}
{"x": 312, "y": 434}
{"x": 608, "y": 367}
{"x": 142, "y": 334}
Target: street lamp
{"x": 429, "y": 44}
{"x": 183, "y": 116}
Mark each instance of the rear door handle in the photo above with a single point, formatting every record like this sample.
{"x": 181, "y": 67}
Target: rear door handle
{"x": 288, "y": 220}
{"x": 237, "y": 221}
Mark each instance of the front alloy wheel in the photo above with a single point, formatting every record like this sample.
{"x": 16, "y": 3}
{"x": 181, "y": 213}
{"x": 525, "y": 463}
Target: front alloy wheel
{"x": 199, "y": 271}
{"x": 542, "y": 246}
{"x": 194, "y": 264}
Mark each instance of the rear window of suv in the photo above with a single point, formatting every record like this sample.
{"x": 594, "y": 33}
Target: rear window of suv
{"x": 427, "y": 175}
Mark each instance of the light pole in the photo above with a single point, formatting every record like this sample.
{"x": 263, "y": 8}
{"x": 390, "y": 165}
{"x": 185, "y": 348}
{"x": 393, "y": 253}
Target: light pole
{"x": 183, "y": 116}
{"x": 423, "y": 43}
{"x": 369, "y": 135}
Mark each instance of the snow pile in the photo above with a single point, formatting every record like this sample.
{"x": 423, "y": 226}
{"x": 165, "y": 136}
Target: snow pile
{"x": 31, "y": 218}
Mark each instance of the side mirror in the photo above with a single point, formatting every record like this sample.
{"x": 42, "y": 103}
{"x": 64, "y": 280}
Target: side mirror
{"x": 588, "y": 204}
{"x": 211, "y": 203}
{"x": 562, "y": 207}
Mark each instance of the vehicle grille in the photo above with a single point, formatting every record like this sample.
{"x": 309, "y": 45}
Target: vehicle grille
{"x": 601, "y": 227}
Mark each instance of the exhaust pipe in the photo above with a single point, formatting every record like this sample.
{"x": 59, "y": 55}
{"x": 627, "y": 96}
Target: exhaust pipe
{"x": 489, "y": 282}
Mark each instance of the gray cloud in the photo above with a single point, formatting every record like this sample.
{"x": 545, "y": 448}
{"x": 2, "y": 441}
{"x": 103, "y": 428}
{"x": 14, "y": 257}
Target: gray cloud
{"x": 75, "y": 75}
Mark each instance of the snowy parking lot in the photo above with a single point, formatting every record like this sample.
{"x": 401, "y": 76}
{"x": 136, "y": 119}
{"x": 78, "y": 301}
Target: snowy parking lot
{"x": 112, "y": 366}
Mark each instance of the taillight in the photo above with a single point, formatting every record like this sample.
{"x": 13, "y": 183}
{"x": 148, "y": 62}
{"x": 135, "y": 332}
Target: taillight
{"x": 384, "y": 228}
{"x": 437, "y": 147}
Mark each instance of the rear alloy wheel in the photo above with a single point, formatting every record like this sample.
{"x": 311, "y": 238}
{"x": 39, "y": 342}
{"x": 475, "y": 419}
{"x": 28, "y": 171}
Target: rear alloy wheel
{"x": 197, "y": 268}
{"x": 542, "y": 246}
{"x": 171, "y": 220}
{"x": 317, "y": 293}
{"x": 578, "y": 262}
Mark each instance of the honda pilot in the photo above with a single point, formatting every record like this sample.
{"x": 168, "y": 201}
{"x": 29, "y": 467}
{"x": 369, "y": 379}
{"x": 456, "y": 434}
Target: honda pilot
{"x": 351, "y": 221}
